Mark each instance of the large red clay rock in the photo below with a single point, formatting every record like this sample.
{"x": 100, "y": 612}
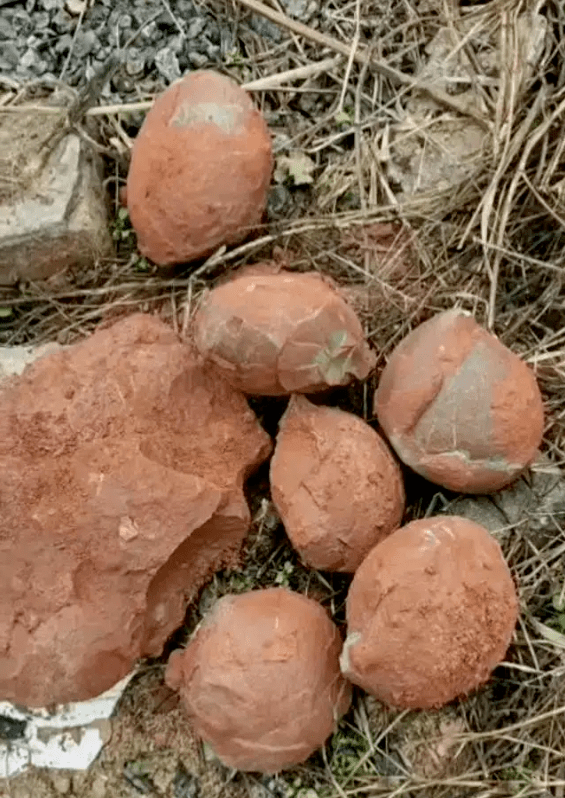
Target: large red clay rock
{"x": 260, "y": 679}
{"x": 336, "y": 485}
{"x": 278, "y": 332}
{"x": 122, "y": 463}
{"x": 459, "y": 407}
{"x": 200, "y": 169}
{"x": 430, "y": 613}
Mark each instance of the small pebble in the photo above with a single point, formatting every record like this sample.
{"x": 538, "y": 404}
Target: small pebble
{"x": 98, "y": 788}
{"x": 185, "y": 784}
{"x": 197, "y": 59}
{"x": 61, "y": 782}
{"x": 196, "y": 27}
{"x": 167, "y": 64}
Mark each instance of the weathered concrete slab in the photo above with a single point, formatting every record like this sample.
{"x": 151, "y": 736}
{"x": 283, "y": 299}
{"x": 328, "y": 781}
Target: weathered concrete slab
{"x": 53, "y": 211}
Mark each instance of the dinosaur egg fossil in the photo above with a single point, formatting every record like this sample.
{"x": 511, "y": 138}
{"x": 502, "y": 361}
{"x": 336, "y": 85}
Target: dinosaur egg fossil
{"x": 276, "y": 333}
{"x": 430, "y": 613}
{"x": 459, "y": 407}
{"x": 260, "y": 679}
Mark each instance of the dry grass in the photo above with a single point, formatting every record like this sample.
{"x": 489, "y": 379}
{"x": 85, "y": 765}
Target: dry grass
{"x": 494, "y": 243}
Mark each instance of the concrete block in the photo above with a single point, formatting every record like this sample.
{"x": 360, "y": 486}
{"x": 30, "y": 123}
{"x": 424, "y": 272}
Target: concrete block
{"x": 53, "y": 210}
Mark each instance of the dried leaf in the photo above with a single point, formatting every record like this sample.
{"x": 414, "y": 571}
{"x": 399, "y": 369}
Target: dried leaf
{"x": 297, "y": 167}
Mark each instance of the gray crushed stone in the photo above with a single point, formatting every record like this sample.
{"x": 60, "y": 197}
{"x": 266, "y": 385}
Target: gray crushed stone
{"x": 42, "y": 39}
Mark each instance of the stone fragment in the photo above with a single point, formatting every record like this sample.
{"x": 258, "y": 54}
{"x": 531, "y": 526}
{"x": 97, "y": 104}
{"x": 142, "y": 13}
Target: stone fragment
{"x": 274, "y": 333}
{"x": 336, "y": 485}
{"x": 67, "y": 736}
{"x": 260, "y": 679}
{"x": 14, "y": 359}
{"x": 430, "y": 614}
{"x": 459, "y": 407}
{"x": 200, "y": 169}
{"x": 122, "y": 463}
{"x": 535, "y": 502}
{"x": 53, "y": 212}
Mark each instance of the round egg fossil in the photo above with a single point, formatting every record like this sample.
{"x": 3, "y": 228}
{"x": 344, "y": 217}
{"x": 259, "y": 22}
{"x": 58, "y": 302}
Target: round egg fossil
{"x": 458, "y": 407}
{"x": 260, "y": 679}
{"x": 200, "y": 169}
{"x": 430, "y": 613}
{"x": 275, "y": 333}
{"x": 335, "y": 484}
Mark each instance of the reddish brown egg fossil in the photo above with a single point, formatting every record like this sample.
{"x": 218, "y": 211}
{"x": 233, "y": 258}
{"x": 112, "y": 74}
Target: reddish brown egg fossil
{"x": 280, "y": 333}
{"x": 200, "y": 169}
{"x": 335, "y": 484}
{"x": 260, "y": 679}
{"x": 430, "y": 613}
{"x": 459, "y": 407}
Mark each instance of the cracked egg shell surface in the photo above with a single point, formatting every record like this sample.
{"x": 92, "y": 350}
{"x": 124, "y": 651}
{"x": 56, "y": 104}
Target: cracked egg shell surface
{"x": 336, "y": 485}
{"x": 272, "y": 334}
{"x": 459, "y": 407}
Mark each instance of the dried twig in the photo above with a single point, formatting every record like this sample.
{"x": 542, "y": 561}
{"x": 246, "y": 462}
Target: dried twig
{"x": 362, "y": 56}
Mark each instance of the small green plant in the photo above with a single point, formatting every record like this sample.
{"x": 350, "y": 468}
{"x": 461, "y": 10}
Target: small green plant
{"x": 283, "y": 576}
{"x": 234, "y": 58}
{"x": 517, "y": 777}
{"x": 122, "y": 229}
{"x": 334, "y": 362}
{"x": 142, "y": 265}
{"x": 239, "y": 582}
{"x": 6, "y": 314}
{"x": 343, "y": 118}
{"x": 347, "y": 751}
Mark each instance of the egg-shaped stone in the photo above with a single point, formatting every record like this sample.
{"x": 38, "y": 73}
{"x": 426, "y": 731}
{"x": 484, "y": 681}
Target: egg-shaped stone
{"x": 335, "y": 484}
{"x": 459, "y": 407}
{"x": 200, "y": 169}
{"x": 430, "y": 613}
{"x": 260, "y": 679}
{"x": 276, "y": 333}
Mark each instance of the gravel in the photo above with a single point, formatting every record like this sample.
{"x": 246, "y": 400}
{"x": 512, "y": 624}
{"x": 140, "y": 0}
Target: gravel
{"x": 69, "y": 40}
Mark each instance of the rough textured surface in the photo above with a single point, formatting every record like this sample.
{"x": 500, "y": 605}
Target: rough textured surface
{"x": 430, "y": 613}
{"x": 335, "y": 484}
{"x": 459, "y": 407}
{"x": 122, "y": 464}
{"x": 280, "y": 333}
{"x": 52, "y": 215}
{"x": 200, "y": 169}
{"x": 260, "y": 679}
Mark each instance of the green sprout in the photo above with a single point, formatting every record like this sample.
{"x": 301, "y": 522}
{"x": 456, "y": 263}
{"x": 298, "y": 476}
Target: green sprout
{"x": 122, "y": 229}
{"x": 343, "y": 118}
{"x": 557, "y": 619}
{"x": 283, "y": 576}
{"x": 347, "y": 750}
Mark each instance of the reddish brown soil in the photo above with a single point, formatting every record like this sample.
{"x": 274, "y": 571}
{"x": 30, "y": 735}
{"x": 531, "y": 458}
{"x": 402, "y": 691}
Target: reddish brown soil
{"x": 123, "y": 461}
